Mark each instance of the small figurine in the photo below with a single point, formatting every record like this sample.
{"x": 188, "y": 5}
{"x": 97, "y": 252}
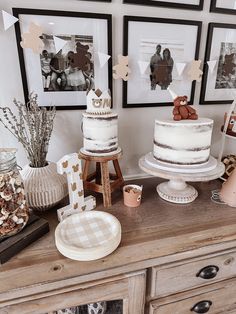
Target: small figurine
{"x": 182, "y": 111}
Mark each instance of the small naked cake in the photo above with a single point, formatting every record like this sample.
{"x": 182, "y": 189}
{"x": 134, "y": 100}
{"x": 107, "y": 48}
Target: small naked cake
{"x": 185, "y": 141}
{"x": 100, "y": 125}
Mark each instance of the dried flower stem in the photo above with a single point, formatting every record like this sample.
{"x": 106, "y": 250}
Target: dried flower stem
{"x": 32, "y": 128}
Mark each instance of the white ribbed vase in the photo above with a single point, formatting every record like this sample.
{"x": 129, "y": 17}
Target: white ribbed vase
{"x": 44, "y": 187}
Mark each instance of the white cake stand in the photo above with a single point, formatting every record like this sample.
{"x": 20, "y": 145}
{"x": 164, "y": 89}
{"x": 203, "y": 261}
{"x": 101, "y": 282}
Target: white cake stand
{"x": 176, "y": 190}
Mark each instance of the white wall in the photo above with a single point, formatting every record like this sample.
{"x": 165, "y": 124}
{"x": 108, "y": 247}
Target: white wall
{"x": 135, "y": 125}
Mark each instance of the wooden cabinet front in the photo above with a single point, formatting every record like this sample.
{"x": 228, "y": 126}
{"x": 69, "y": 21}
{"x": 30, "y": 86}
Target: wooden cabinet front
{"x": 219, "y": 298}
{"x": 175, "y": 277}
{"x": 130, "y": 288}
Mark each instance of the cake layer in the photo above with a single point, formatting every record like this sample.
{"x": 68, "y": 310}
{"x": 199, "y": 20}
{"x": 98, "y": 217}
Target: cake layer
{"x": 100, "y": 111}
{"x": 185, "y": 142}
{"x": 100, "y": 133}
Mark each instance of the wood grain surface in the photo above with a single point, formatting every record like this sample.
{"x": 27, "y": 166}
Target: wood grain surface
{"x": 153, "y": 234}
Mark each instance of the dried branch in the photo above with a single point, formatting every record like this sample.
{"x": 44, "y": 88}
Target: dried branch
{"x": 32, "y": 127}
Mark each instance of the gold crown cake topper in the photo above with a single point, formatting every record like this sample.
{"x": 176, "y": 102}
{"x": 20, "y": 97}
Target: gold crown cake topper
{"x": 98, "y": 99}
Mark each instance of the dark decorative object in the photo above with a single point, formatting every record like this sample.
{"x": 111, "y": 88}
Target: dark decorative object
{"x": 222, "y": 10}
{"x": 143, "y": 39}
{"x": 63, "y": 76}
{"x": 112, "y": 307}
{"x": 208, "y": 272}
{"x": 202, "y": 307}
{"x": 174, "y": 4}
{"x": 219, "y": 86}
{"x": 35, "y": 229}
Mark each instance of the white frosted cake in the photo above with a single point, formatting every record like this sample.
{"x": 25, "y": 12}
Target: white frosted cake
{"x": 100, "y": 125}
{"x": 185, "y": 142}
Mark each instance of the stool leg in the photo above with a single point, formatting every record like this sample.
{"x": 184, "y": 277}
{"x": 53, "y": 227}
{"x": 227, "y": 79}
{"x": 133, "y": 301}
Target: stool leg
{"x": 118, "y": 170}
{"x": 86, "y": 169}
{"x": 106, "y": 184}
{"x": 98, "y": 173}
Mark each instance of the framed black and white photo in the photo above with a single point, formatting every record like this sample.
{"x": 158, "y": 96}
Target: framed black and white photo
{"x": 223, "y": 6}
{"x": 177, "y": 4}
{"x": 158, "y": 45}
{"x": 219, "y": 84}
{"x": 63, "y": 77}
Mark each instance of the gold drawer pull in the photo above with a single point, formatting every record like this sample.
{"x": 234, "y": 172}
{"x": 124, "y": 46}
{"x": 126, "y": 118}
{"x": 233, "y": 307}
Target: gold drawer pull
{"x": 201, "y": 307}
{"x": 208, "y": 272}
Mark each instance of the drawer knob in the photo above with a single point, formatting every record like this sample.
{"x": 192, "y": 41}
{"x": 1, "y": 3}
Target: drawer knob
{"x": 208, "y": 272}
{"x": 201, "y": 307}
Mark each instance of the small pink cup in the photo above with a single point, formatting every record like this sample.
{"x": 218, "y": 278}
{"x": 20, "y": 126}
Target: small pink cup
{"x": 132, "y": 195}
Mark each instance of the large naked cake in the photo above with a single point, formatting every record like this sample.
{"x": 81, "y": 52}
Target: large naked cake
{"x": 100, "y": 125}
{"x": 186, "y": 140}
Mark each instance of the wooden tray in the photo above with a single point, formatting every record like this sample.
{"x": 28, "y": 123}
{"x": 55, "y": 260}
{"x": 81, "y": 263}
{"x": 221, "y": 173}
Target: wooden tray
{"x": 35, "y": 228}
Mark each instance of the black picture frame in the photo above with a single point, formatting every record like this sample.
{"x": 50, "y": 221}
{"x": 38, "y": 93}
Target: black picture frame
{"x": 215, "y": 9}
{"x": 165, "y": 4}
{"x": 18, "y": 11}
{"x": 210, "y": 33}
{"x": 127, "y": 19}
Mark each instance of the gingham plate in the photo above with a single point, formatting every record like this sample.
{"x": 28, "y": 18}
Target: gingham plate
{"x": 88, "y": 235}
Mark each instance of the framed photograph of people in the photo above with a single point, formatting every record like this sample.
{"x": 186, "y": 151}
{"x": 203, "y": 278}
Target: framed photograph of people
{"x": 68, "y": 63}
{"x": 177, "y": 4}
{"x": 219, "y": 81}
{"x": 155, "y": 46}
{"x": 223, "y": 6}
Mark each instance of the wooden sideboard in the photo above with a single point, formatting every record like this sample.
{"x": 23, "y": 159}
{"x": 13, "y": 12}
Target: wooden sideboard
{"x": 173, "y": 259}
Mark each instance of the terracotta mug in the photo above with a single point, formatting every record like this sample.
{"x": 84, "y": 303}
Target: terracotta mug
{"x": 132, "y": 195}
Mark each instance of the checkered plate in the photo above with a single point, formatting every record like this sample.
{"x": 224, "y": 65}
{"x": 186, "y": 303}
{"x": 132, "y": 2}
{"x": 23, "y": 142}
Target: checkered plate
{"x": 88, "y": 235}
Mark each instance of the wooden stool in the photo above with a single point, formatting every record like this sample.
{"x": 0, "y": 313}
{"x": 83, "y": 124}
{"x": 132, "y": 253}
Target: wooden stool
{"x": 102, "y": 176}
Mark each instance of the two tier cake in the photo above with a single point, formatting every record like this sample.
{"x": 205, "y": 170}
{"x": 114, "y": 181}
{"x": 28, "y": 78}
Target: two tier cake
{"x": 100, "y": 125}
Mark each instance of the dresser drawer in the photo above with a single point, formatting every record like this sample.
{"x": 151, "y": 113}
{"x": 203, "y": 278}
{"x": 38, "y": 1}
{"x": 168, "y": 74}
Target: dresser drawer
{"x": 174, "y": 278}
{"x": 219, "y": 298}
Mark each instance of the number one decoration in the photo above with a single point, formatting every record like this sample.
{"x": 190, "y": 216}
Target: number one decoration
{"x": 71, "y": 166}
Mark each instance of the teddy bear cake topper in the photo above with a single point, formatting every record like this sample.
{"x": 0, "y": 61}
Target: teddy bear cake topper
{"x": 182, "y": 111}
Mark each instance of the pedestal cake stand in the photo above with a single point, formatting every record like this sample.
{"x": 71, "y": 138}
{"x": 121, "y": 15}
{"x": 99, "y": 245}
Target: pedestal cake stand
{"x": 176, "y": 190}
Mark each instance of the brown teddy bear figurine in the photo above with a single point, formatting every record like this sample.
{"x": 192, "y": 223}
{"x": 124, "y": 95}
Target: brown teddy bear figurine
{"x": 182, "y": 111}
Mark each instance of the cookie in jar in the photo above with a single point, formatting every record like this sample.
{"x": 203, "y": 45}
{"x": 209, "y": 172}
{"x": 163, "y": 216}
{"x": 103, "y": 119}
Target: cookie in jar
{"x": 14, "y": 211}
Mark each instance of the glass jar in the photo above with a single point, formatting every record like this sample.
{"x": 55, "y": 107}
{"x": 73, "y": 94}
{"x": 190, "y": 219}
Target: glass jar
{"x": 14, "y": 212}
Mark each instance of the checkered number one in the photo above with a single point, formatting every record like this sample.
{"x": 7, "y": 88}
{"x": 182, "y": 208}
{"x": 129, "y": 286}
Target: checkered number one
{"x": 72, "y": 167}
